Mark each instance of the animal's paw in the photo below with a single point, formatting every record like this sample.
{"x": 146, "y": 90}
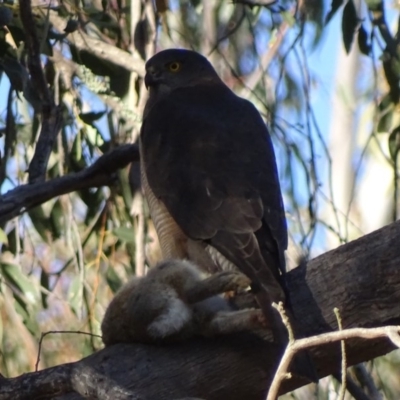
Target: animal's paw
{"x": 259, "y": 319}
{"x": 235, "y": 280}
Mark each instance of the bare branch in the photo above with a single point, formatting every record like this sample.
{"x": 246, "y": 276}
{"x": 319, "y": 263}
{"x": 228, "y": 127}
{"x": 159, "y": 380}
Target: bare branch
{"x": 325, "y": 338}
{"x": 343, "y": 351}
{"x": 56, "y": 380}
{"x": 51, "y": 114}
{"x": 101, "y": 173}
{"x": 279, "y": 307}
{"x": 33, "y": 47}
{"x": 102, "y": 50}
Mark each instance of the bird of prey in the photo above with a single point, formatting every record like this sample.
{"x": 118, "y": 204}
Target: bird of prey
{"x": 210, "y": 177}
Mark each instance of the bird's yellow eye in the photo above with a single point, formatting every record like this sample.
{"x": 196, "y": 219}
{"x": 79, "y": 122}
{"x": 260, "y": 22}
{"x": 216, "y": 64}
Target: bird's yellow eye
{"x": 174, "y": 66}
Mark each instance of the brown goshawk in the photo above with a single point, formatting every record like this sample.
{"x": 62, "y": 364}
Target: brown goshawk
{"x": 210, "y": 177}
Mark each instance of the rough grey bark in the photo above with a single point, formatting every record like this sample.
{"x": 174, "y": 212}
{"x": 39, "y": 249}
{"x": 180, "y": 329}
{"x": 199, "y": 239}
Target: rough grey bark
{"x": 361, "y": 278}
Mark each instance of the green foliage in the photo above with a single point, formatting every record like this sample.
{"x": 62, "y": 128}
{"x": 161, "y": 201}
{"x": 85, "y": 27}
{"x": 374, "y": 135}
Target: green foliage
{"x": 394, "y": 143}
{"x": 363, "y": 43}
{"x": 349, "y": 24}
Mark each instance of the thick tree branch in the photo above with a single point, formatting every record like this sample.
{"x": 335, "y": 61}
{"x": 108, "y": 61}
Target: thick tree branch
{"x": 33, "y": 47}
{"x": 361, "y": 278}
{"x": 51, "y": 114}
{"x": 101, "y": 173}
{"x": 55, "y": 381}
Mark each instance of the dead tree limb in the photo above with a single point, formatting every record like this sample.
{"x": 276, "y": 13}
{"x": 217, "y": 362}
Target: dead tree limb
{"x": 101, "y": 173}
{"x": 361, "y": 278}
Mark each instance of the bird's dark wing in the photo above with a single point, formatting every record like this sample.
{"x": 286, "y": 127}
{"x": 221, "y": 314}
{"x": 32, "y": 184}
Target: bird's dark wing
{"x": 209, "y": 158}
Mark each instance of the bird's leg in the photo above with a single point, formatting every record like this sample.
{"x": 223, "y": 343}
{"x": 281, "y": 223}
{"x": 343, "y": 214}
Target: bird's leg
{"x": 218, "y": 283}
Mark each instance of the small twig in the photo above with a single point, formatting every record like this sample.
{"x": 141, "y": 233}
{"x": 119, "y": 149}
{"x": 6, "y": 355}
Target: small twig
{"x": 391, "y": 332}
{"x": 266, "y": 58}
{"x": 285, "y": 319}
{"x": 44, "y": 334}
{"x": 343, "y": 351}
{"x": 282, "y": 372}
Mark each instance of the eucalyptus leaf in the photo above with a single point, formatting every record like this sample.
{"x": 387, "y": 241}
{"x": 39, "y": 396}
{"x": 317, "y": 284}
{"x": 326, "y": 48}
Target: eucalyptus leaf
{"x": 75, "y": 295}
{"x": 394, "y": 143}
{"x": 125, "y": 234}
{"x": 26, "y": 285}
{"x": 350, "y": 24}
{"x": 3, "y": 237}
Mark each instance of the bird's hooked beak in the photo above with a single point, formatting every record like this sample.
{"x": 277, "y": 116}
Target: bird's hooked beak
{"x": 152, "y": 77}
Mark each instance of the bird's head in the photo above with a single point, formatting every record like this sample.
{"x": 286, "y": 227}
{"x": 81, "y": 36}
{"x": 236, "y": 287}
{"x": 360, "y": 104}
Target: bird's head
{"x": 176, "y": 68}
